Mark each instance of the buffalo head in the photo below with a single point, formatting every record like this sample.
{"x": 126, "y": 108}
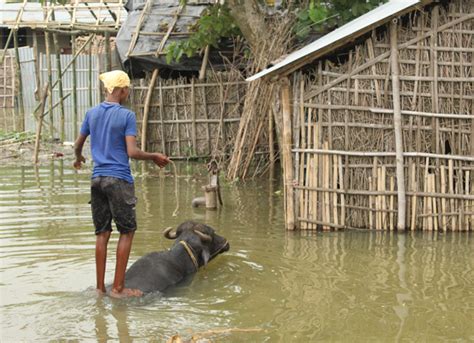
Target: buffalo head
{"x": 202, "y": 239}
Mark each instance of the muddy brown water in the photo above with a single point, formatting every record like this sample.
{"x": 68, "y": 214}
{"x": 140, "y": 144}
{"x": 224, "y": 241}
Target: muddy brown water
{"x": 287, "y": 287}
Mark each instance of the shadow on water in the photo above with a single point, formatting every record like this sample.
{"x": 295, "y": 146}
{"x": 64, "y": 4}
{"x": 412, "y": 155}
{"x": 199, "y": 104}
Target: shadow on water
{"x": 311, "y": 286}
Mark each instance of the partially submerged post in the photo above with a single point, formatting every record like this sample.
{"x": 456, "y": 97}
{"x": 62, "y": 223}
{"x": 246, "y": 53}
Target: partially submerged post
{"x": 397, "y": 122}
{"x": 287, "y": 157}
{"x": 39, "y": 121}
{"x": 59, "y": 76}
{"x": 74, "y": 85}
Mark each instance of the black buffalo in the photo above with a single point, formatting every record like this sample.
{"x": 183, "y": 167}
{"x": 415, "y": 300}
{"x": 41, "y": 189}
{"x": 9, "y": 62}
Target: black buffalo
{"x": 195, "y": 245}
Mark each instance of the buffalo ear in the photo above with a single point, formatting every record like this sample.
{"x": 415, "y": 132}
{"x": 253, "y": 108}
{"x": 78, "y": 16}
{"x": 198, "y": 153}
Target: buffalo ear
{"x": 205, "y": 256}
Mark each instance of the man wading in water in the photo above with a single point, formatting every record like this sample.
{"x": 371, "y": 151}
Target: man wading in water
{"x": 113, "y": 132}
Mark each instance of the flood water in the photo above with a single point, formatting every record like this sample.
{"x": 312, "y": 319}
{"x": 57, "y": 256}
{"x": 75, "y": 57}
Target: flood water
{"x": 272, "y": 286}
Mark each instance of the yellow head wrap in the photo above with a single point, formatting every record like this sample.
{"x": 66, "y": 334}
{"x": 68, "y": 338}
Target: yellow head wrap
{"x": 115, "y": 79}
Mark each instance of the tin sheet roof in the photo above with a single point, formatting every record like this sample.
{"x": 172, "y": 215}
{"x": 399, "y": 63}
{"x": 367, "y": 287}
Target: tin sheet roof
{"x": 339, "y": 37}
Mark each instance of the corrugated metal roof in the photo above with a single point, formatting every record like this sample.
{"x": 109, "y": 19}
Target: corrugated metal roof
{"x": 339, "y": 37}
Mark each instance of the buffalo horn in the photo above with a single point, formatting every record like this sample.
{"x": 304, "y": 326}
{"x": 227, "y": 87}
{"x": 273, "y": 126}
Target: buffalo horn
{"x": 168, "y": 234}
{"x": 204, "y": 237}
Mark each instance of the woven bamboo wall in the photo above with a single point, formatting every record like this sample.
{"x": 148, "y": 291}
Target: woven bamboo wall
{"x": 196, "y": 119}
{"x": 344, "y": 129}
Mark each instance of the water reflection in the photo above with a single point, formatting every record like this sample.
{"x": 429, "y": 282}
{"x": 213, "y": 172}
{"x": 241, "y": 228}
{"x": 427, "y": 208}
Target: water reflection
{"x": 311, "y": 286}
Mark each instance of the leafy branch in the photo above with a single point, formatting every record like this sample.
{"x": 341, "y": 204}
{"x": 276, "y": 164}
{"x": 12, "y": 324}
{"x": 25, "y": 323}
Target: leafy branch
{"x": 216, "y": 23}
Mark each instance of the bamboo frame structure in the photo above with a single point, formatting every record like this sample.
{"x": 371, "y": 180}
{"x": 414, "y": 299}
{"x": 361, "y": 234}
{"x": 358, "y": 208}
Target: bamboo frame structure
{"x": 385, "y": 130}
{"x": 185, "y": 118}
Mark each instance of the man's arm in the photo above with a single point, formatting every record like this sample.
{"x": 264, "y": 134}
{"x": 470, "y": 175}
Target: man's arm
{"x": 160, "y": 160}
{"x": 78, "y": 145}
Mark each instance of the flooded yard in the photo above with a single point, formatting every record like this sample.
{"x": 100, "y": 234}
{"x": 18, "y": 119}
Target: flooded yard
{"x": 286, "y": 287}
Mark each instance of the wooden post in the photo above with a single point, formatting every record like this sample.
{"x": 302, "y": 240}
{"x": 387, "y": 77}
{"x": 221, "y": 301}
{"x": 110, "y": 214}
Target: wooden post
{"x": 108, "y": 52}
{"x": 286, "y": 151}
{"x": 74, "y": 86}
{"x": 397, "y": 120}
{"x": 60, "y": 86}
{"x": 202, "y": 71}
{"x": 271, "y": 143}
{"x": 39, "y": 123}
{"x": 90, "y": 75}
{"x": 50, "y": 82}
{"x": 163, "y": 139}
{"x": 146, "y": 109}
{"x": 36, "y": 56}
{"x": 21, "y": 109}
{"x": 193, "y": 118}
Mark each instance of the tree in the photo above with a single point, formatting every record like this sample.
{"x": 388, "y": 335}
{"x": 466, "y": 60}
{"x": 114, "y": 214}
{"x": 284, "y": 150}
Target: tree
{"x": 250, "y": 19}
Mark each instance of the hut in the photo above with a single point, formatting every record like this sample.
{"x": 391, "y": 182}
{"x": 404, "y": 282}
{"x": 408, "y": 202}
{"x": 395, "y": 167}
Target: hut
{"x": 189, "y": 108}
{"x": 378, "y": 121}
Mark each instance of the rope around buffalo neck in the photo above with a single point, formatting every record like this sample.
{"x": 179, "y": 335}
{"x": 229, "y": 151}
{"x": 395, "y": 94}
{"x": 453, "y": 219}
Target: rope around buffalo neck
{"x": 190, "y": 253}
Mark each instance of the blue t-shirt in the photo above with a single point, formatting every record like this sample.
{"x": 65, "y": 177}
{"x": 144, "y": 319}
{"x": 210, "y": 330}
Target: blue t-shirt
{"x": 108, "y": 124}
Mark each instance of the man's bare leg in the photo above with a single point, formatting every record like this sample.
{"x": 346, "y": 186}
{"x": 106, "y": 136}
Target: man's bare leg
{"x": 102, "y": 239}
{"x": 123, "y": 252}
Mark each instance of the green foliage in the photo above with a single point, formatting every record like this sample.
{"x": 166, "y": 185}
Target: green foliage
{"x": 323, "y": 15}
{"x": 214, "y": 24}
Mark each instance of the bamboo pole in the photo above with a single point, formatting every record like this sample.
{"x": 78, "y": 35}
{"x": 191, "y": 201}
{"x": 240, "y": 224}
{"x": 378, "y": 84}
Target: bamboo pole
{"x": 74, "y": 85}
{"x": 162, "y": 126}
{"x": 371, "y": 200}
{"x": 286, "y": 152}
{"x": 443, "y": 199}
{"x": 392, "y": 198}
{"x": 60, "y": 87}
{"x": 383, "y": 182}
{"x": 206, "y": 115}
{"x": 36, "y": 56}
{"x": 466, "y": 203}
{"x": 138, "y": 28}
{"x": 146, "y": 110}
{"x": 315, "y": 174}
{"x": 398, "y": 127}
{"x": 50, "y": 82}
{"x": 435, "y": 139}
{"x": 193, "y": 118}
{"x": 90, "y": 76}
{"x": 414, "y": 183}
{"x": 202, "y": 71}
{"x": 39, "y": 123}
{"x": 108, "y": 52}
{"x": 434, "y": 206}
{"x": 342, "y": 186}
{"x": 451, "y": 191}
{"x": 326, "y": 184}
{"x": 21, "y": 108}
{"x": 271, "y": 144}
{"x": 335, "y": 173}
{"x": 429, "y": 204}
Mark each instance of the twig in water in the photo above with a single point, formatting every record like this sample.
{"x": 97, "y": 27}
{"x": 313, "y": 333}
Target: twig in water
{"x": 175, "y": 213}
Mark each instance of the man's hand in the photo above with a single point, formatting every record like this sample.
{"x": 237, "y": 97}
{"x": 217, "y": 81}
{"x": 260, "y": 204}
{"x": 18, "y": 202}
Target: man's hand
{"x": 78, "y": 163}
{"x": 160, "y": 160}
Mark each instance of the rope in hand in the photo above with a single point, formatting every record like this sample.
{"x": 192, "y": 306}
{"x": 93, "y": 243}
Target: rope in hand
{"x": 175, "y": 213}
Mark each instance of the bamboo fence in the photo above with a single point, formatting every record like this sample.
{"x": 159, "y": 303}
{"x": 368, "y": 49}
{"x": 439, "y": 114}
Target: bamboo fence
{"x": 345, "y": 126}
{"x": 189, "y": 118}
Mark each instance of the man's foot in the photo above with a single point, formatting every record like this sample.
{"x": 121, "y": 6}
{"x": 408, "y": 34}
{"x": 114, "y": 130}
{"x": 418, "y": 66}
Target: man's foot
{"x": 125, "y": 293}
{"x": 100, "y": 292}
